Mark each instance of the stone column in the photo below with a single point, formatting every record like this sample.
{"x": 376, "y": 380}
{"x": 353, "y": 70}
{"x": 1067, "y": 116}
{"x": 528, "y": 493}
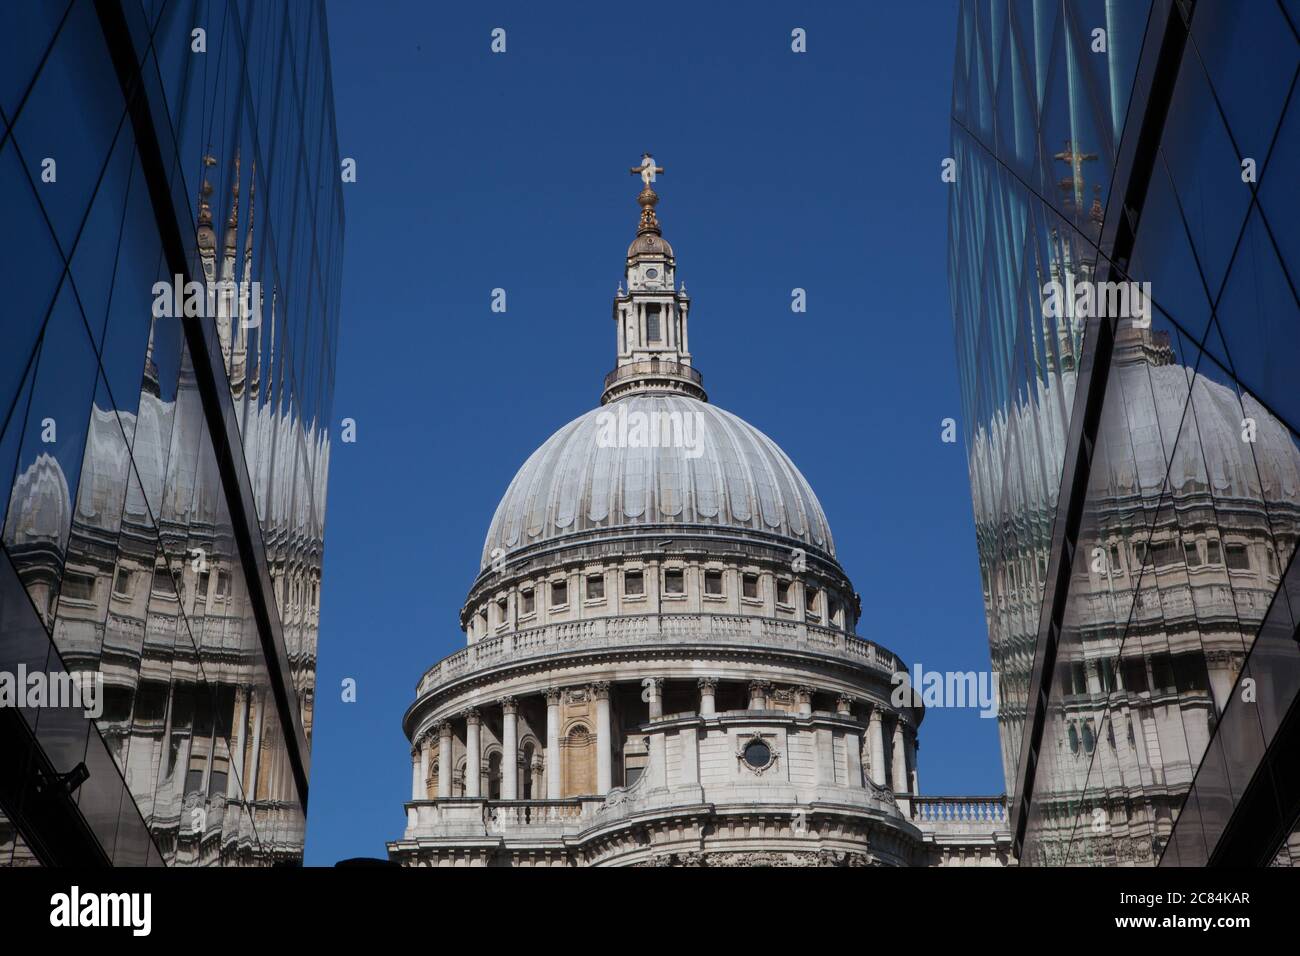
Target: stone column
{"x": 604, "y": 739}
{"x": 911, "y": 744}
{"x": 876, "y": 745}
{"x": 425, "y": 745}
{"x": 259, "y": 704}
{"x": 444, "y": 759}
{"x": 758, "y": 694}
{"x": 655, "y": 685}
{"x": 415, "y": 772}
{"x": 553, "y": 782}
{"x": 803, "y": 701}
{"x": 708, "y": 690}
{"x": 473, "y": 754}
{"x": 235, "y": 773}
{"x": 844, "y": 705}
{"x": 898, "y": 774}
{"x": 510, "y": 749}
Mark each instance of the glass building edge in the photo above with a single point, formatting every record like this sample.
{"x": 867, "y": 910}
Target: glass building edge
{"x": 233, "y": 718}
{"x": 1156, "y": 352}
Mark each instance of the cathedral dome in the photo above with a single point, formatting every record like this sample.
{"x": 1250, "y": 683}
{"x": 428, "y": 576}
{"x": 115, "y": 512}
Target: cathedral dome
{"x": 658, "y": 462}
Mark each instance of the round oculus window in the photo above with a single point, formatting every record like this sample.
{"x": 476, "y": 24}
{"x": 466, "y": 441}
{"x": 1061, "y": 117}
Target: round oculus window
{"x": 651, "y": 273}
{"x": 757, "y": 754}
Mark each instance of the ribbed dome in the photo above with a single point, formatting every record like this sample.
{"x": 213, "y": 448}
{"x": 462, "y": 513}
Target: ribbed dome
{"x": 729, "y": 476}
{"x": 649, "y": 244}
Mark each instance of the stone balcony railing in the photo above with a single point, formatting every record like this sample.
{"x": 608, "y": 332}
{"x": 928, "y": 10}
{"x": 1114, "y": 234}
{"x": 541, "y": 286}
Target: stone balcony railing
{"x": 959, "y": 816}
{"x": 943, "y": 818}
{"x": 659, "y": 630}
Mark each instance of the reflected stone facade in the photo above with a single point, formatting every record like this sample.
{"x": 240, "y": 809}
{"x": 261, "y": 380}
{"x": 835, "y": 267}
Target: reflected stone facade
{"x": 1135, "y": 477}
{"x": 662, "y": 664}
{"x": 164, "y": 528}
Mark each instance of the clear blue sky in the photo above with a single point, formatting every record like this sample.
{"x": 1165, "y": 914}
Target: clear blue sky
{"x": 478, "y": 171}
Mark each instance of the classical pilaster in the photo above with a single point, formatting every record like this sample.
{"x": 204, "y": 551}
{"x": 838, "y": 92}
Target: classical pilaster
{"x": 689, "y": 739}
{"x": 473, "y": 754}
{"x": 708, "y": 691}
{"x": 758, "y": 690}
{"x": 444, "y": 759}
{"x": 553, "y": 781}
{"x": 510, "y": 748}
{"x": 425, "y": 746}
{"x": 844, "y": 705}
{"x": 604, "y": 739}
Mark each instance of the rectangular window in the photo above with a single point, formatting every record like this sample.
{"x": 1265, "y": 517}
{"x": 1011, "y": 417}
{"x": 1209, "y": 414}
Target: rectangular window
{"x": 749, "y": 585}
{"x": 502, "y": 613}
{"x": 1107, "y": 675}
{"x": 1191, "y": 555}
{"x": 674, "y": 581}
{"x": 634, "y": 584}
{"x": 810, "y": 598}
{"x": 652, "y": 323}
{"x": 1079, "y": 677}
{"x": 122, "y": 583}
{"x": 1213, "y": 555}
{"x": 1115, "y": 566}
{"x": 559, "y": 593}
{"x": 633, "y": 767}
{"x": 782, "y": 592}
{"x": 1190, "y": 673}
{"x": 223, "y": 583}
{"x": 712, "y": 582}
{"x": 78, "y": 587}
{"x": 1135, "y": 675}
{"x": 1162, "y": 673}
{"x": 526, "y": 597}
{"x": 596, "y": 587}
{"x": 1164, "y": 553}
{"x": 1237, "y": 557}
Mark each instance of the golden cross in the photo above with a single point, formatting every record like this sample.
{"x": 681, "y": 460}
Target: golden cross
{"x": 647, "y": 170}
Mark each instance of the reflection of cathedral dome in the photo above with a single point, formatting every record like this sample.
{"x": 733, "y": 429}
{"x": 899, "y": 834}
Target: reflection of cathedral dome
{"x": 740, "y": 480}
{"x": 39, "y": 509}
{"x": 649, "y": 244}
{"x": 99, "y": 496}
{"x": 1209, "y": 445}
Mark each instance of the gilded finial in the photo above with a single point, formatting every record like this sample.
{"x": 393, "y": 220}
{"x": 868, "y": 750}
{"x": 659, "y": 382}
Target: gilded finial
{"x": 648, "y": 197}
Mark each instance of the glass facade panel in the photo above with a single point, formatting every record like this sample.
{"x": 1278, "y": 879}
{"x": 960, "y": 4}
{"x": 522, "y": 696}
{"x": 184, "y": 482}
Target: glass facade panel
{"x": 121, "y": 564}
